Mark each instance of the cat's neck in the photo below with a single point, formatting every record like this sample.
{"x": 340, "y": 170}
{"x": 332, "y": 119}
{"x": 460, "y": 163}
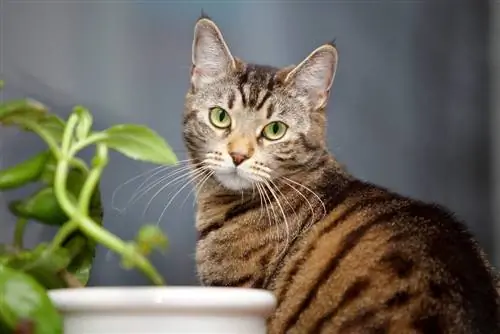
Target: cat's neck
{"x": 235, "y": 223}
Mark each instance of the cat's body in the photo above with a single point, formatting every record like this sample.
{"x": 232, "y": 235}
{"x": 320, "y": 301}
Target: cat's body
{"x": 276, "y": 211}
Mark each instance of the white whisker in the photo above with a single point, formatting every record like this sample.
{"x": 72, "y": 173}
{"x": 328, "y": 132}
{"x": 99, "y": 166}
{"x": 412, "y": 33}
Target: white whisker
{"x": 284, "y": 197}
{"x": 172, "y": 182}
{"x": 199, "y": 173}
{"x": 287, "y": 227}
{"x": 205, "y": 177}
{"x": 161, "y": 168}
{"x": 266, "y": 198}
{"x": 313, "y": 214}
{"x": 152, "y": 185}
{"x": 312, "y": 192}
{"x": 201, "y": 186}
{"x": 140, "y": 187}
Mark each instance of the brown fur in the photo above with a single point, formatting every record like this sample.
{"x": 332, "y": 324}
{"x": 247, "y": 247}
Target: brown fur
{"x": 340, "y": 255}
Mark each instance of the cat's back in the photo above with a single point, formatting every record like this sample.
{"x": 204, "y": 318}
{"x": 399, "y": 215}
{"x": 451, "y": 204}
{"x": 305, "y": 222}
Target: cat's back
{"x": 379, "y": 262}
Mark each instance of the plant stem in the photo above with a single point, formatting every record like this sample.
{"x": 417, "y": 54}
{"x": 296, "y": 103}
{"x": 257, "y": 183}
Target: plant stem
{"x": 19, "y": 232}
{"x": 65, "y": 230}
{"x": 86, "y": 142}
{"x": 68, "y": 134}
{"x": 80, "y": 164}
{"x": 96, "y": 232}
{"x": 93, "y": 179}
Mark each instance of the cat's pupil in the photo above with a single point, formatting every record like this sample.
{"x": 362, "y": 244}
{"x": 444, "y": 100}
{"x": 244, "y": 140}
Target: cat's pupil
{"x": 275, "y": 128}
{"x": 222, "y": 116}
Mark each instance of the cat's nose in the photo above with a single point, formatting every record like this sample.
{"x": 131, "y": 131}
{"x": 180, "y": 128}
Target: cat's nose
{"x": 238, "y": 158}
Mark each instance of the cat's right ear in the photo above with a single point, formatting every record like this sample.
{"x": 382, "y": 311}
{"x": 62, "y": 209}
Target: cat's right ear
{"x": 212, "y": 59}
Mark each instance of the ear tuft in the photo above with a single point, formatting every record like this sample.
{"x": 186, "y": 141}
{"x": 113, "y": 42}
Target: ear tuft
{"x": 333, "y": 43}
{"x": 314, "y": 76}
{"x": 210, "y": 55}
{"x": 204, "y": 15}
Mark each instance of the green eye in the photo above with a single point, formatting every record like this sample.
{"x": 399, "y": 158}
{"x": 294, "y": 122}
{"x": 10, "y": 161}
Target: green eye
{"x": 274, "y": 130}
{"x": 219, "y": 118}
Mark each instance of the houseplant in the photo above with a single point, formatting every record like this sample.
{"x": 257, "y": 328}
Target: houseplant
{"x": 39, "y": 287}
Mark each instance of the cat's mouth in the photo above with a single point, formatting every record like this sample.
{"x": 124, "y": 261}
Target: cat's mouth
{"x": 234, "y": 179}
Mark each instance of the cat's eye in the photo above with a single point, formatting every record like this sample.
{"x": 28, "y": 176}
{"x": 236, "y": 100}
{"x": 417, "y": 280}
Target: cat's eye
{"x": 274, "y": 130}
{"x": 219, "y": 118}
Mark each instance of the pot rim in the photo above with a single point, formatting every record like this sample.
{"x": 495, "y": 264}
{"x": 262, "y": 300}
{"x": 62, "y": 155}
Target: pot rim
{"x": 170, "y": 298}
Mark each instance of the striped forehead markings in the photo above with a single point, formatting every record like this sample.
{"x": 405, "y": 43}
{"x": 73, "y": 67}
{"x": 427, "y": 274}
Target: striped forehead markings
{"x": 256, "y": 79}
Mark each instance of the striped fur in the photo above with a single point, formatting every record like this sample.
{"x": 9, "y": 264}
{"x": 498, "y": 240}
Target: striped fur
{"x": 340, "y": 255}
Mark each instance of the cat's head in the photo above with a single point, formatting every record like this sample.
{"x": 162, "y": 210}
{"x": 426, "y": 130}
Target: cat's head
{"x": 249, "y": 123}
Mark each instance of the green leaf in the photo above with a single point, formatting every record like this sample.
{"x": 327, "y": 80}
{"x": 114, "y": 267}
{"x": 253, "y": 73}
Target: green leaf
{"x": 42, "y": 206}
{"x": 85, "y": 121}
{"x": 49, "y": 172}
{"x": 150, "y": 237}
{"x": 75, "y": 181}
{"x": 23, "y": 112}
{"x": 53, "y": 125}
{"x": 41, "y": 264}
{"x": 82, "y": 252}
{"x": 19, "y": 109}
{"x": 22, "y": 298}
{"x": 139, "y": 143}
{"x": 25, "y": 172}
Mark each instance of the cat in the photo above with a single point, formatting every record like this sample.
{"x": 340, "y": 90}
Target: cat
{"x": 276, "y": 211}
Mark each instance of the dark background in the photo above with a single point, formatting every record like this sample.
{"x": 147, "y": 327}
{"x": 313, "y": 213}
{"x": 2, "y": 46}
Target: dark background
{"x": 410, "y": 108}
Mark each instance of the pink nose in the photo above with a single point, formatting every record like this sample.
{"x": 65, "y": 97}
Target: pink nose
{"x": 238, "y": 158}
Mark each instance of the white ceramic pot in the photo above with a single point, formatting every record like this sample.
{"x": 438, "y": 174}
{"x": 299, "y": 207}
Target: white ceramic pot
{"x": 163, "y": 310}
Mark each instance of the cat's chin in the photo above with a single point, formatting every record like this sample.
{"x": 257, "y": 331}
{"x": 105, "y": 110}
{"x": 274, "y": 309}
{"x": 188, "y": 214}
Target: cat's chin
{"x": 233, "y": 181}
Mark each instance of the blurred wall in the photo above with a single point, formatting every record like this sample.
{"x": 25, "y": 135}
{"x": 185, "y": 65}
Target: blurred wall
{"x": 495, "y": 120}
{"x": 408, "y": 110}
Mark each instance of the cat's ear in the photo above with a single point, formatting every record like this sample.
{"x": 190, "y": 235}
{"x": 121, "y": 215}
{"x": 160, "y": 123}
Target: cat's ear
{"x": 313, "y": 77}
{"x": 211, "y": 56}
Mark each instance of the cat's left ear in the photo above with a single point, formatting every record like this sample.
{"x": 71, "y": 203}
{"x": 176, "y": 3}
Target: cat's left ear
{"x": 313, "y": 77}
{"x": 212, "y": 59}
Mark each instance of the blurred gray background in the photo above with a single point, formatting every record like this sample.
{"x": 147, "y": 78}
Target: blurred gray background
{"x": 411, "y": 106}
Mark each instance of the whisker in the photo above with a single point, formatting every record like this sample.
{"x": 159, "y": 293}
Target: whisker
{"x": 283, "y": 196}
{"x": 161, "y": 168}
{"x": 275, "y": 216}
{"x": 203, "y": 179}
{"x": 171, "y": 182}
{"x": 184, "y": 170}
{"x": 201, "y": 186}
{"x": 199, "y": 173}
{"x": 287, "y": 227}
{"x": 313, "y": 214}
{"x": 312, "y": 192}
{"x": 271, "y": 206}
{"x": 178, "y": 164}
{"x": 266, "y": 199}
{"x": 139, "y": 193}
{"x": 260, "y": 198}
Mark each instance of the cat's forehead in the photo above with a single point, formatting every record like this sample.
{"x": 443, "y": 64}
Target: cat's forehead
{"x": 253, "y": 94}
{"x": 262, "y": 76}
{"x": 255, "y": 86}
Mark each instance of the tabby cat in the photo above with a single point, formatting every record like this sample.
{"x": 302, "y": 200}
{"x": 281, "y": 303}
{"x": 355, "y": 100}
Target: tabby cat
{"x": 277, "y": 211}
